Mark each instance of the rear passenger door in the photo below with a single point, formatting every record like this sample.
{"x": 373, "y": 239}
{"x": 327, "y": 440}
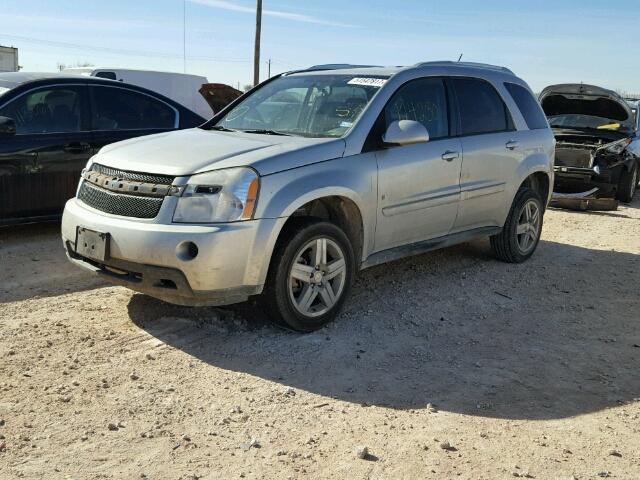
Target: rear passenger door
{"x": 418, "y": 185}
{"x": 119, "y": 113}
{"x": 491, "y": 153}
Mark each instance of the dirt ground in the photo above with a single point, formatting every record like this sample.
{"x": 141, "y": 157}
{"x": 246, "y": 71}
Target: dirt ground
{"x": 446, "y": 365}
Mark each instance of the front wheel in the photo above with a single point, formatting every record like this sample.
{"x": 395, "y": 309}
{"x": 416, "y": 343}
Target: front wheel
{"x": 521, "y": 232}
{"x": 628, "y": 184}
{"x": 310, "y": 275}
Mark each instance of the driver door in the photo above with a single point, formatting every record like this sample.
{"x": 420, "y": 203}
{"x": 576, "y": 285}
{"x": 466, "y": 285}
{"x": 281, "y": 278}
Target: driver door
{"x": 419, "y": 184}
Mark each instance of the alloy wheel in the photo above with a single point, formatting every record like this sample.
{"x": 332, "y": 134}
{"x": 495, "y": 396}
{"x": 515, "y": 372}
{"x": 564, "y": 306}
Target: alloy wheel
{"x": 528, "y": 229}
{"x": 317, "y": 277}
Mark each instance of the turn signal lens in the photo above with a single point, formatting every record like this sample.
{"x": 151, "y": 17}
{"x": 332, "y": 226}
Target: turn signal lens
{"x": 252, "y": 197}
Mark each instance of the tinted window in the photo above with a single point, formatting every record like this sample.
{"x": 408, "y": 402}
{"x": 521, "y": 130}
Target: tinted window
{"x": 424, "y": 101}
{"x": 481, "y": 108}
{"x": 529, "y": 106}
{"x": 49, "y": 110}
{"x": 121, "y": 109}
{"x": 109, "y": 75}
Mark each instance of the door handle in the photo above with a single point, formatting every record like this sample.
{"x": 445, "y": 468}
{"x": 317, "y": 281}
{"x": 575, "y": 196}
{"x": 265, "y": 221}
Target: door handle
{"x": 512, "y": 145}
{"x": 450, "y": 156}
{"x": 77, "y": 147}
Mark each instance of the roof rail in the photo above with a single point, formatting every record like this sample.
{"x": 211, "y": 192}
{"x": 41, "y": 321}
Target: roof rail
{"x": 337, "y": 66}
{"x": 448, "y": 63}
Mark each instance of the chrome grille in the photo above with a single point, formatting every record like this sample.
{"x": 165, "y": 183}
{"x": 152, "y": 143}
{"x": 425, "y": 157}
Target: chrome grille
{"x": 118, "y": 203}
{"x": 133, "y": 176}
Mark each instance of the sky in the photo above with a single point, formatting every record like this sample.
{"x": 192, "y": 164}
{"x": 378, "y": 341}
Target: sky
{"x": 542, "y": 41}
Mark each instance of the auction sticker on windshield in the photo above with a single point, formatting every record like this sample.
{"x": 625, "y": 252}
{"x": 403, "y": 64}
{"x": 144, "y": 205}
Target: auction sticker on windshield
{"x": 368, "y": 82}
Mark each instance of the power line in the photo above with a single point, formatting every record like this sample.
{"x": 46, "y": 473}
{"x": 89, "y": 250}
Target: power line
{"x": 120, "y": 51}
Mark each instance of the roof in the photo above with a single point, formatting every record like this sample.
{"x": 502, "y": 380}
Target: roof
{"x": 13, "y": 79}
{"x": 347, "y": 69}
{"x": 85, "y": 70}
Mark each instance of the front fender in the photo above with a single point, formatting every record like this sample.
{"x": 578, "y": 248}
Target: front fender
{"x": 353, "y": 178}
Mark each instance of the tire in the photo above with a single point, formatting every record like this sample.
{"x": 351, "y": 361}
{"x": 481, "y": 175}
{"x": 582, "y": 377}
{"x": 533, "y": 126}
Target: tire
{"x": 288, "y": 292}
{"x": 509, "y": 245}
{"x": 628, "y": 184}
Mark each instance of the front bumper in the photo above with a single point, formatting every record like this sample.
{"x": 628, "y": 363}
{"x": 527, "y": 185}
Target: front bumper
{"x": 578, "y": 179}
{"x": 231, "y": 263}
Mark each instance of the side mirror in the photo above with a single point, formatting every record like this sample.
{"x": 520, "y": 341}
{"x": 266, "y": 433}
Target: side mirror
{"x": 405, "y": 132}
{"x": 7, "y": 126}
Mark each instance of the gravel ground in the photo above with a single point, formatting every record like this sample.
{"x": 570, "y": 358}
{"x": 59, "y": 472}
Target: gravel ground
{"x": 446, "y": 365}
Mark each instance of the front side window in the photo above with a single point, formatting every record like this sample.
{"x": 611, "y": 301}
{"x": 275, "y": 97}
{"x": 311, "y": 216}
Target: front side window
{"x": 480, "y": 106}
{"x": 529, "y": 106}
{"x": 48, "y": 110}
{"x": 121, "y": 109}
{"x": 304, "y": 105}
{"x": 424, "y": 101}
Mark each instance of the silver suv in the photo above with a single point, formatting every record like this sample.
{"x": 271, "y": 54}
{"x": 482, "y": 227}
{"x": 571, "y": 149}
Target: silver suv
{"x": 312, "y": 176}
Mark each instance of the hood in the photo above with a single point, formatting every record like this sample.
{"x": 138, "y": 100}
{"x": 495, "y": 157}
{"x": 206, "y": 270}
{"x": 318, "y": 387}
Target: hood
{"x": 581, "y": 99}
{"x": 185, "y": 152}
{"x": 218, "y": 95}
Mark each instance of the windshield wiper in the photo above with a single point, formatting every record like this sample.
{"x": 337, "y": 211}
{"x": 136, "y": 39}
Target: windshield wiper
{"x": 220, "y": 128}
{"x": 263, "y": 131}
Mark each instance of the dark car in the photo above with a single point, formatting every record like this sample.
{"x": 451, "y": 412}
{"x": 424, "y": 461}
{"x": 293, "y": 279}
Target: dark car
{"x": 51, "y": 124}
{"x": 598, "y": 143}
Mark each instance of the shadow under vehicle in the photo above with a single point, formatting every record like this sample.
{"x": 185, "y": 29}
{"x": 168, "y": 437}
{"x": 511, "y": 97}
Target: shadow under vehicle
{"x": 598, "y": 148}
{"x": 51, "y": 124}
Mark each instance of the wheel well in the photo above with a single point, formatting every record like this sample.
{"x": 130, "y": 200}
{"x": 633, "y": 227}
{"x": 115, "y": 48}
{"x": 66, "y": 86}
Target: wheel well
{"x": 538, "y": 182}
{"x": 340, "y": 211}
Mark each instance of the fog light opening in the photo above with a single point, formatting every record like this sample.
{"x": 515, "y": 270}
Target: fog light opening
{"x": 187, "y": 251}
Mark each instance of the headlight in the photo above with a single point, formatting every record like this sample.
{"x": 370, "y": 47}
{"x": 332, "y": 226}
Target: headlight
{"x": 617, "y": 147}
{"x": 219, "y": 196}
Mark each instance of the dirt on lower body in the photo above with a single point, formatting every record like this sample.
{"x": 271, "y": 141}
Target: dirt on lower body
{"x": 445, "y": 365}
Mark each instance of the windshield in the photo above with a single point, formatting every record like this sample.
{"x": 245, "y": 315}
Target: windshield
{"x": 584, "y": 121}
{"x": 304, "y": 105}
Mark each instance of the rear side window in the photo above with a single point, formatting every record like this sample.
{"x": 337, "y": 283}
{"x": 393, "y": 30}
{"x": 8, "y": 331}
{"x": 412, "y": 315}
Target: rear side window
{"x": 122, "y": 109}
{"x": 109, "y": 75}
{"x": 423, "y": 100}
{"x": 529, "y": 107}
{"x": 481, "y": 107}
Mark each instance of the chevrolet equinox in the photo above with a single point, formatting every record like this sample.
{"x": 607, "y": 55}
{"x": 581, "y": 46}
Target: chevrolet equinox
{"x": 312, "y": 176}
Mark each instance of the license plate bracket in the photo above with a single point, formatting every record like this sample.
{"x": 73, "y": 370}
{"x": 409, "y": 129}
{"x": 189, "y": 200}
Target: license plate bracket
{"x": 92, "y": 244}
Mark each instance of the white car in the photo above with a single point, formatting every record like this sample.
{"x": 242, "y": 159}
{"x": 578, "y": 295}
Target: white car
{"x": 179, "y": 87}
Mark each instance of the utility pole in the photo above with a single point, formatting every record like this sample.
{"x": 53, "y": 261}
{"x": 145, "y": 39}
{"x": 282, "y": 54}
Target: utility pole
{"x": 256, "y": 53}
{"x": 184, "y": 36}
{"x": 269, "y": 68}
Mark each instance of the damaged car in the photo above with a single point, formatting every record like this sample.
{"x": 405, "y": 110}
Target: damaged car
{"x": 597, "y": 150}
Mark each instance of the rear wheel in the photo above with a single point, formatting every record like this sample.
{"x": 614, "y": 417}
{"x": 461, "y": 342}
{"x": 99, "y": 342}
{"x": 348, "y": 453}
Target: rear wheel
{"x": 628, "y": 184}
{"x": 521, "y": 232}
{"x": 310, "y": 275}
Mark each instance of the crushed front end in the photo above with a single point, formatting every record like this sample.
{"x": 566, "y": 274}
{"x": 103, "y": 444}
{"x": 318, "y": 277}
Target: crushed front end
{"x": 585, "y": 162}
{"x": 596, "y": 141}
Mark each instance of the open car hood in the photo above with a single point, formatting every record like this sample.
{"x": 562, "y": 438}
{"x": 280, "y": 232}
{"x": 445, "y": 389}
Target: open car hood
{"x": 218, "y": 95}
{"x": 578, "y": 98}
